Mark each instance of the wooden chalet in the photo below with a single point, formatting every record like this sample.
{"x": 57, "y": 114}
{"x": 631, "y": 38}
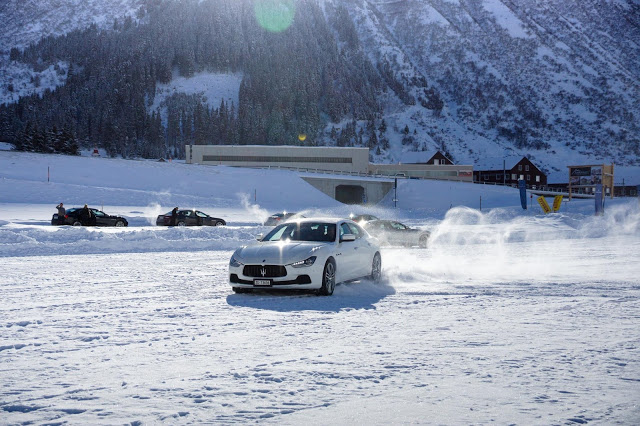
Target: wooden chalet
{"x": 508, "y": 171}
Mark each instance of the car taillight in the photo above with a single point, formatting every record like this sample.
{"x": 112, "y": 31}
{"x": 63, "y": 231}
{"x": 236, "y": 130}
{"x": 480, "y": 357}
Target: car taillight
{"x": 66, "y": 216}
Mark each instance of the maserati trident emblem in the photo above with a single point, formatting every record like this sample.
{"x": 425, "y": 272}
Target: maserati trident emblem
{"x": 263, "y": 271}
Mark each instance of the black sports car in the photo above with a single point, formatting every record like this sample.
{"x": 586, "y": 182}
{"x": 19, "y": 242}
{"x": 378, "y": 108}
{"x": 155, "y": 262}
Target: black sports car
{"x": 75, "y": 217}
{"x": 190, "y": 218}
{"x": 395, "y": 233}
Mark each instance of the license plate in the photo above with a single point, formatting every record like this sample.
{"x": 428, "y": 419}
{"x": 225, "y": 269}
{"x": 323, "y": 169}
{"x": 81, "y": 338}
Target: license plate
{"x": 262, "y": 282}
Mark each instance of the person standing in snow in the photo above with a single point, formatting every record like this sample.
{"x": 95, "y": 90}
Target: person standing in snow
{"x": 61, "y": 213}
{"x": 174, "y": 216}
{"x": 85, "y": 216}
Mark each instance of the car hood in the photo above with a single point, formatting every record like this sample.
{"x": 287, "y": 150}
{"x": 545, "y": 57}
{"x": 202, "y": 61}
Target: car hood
{"x": 278, "y": 252}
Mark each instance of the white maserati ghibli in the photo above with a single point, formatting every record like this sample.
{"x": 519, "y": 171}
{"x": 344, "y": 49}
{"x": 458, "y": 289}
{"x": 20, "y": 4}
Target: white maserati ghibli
{"x": 308, "y": 254}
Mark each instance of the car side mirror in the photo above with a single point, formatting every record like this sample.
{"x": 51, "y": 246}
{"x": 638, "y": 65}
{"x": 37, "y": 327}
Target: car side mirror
{"x": 259, "y": 237}
{"x": 348, "y": 237}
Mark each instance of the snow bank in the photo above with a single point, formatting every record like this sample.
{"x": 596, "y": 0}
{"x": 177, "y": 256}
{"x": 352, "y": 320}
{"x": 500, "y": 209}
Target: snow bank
{"x": 66, "y": 240}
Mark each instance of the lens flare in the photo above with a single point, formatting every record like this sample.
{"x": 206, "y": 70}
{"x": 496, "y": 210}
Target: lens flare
{"x": 274, "y": 15}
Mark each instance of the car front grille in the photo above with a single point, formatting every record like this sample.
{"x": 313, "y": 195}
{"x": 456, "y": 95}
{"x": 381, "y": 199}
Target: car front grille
{"x": 264, "y": 271}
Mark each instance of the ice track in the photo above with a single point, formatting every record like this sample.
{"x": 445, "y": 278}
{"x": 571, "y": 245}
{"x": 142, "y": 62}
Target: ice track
{"x": 446, "y": 338}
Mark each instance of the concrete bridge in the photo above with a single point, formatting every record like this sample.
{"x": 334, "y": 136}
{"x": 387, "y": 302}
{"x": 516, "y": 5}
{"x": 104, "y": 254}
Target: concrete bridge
{"x": 352, "y": 190}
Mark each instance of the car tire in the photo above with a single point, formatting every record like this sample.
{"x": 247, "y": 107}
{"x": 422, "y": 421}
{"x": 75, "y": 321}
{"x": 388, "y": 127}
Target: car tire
{"x": 241, "y": 290}
{"x": 376, "y": 268}
{"x": 182, "y": 223}
{"x": 218, "y": 223}
{"x": 328, "y": 278}
{"x": 119, "y": 223}
{"x": 77, "y": 223}
{"x": 424, "y": 241}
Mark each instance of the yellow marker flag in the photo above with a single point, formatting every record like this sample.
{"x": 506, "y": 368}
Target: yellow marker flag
{"x": 557, "y": 202}
{"x": 544, "y": 204}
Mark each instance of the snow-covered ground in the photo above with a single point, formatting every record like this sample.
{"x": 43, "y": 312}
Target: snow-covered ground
{"x": 510, "y": 316}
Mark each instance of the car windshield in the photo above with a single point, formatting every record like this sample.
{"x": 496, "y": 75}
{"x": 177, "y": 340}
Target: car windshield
{"x": 305, "y": 231}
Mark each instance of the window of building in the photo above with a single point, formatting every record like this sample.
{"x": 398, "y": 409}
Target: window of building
{"x": 519, "y": 167}
{"x": 526, "y": 168}
{"x": 528, "y": 177}
{"x": 514, "y": 176}
{"x": 274, "y": 159}
{"x": 521, "y": 177}
{"x": 537, "y": 178}
{"x": 486, "y": 177}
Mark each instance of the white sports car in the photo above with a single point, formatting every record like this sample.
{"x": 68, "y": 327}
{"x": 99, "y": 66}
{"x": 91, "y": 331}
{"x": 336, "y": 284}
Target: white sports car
{"x": 309, "y": 254}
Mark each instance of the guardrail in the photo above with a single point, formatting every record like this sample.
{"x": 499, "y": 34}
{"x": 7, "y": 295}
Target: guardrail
{"x": 537, "y": 189}
{"x": 359, "y": 174}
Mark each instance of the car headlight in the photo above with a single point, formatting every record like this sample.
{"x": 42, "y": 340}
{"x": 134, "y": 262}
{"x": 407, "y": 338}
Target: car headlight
{"x": 307, "y": 262}
{"x": 234, "y": 262}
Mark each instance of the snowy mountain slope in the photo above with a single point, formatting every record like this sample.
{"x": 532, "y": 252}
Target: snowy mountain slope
{"x": 556, "y": 81}
{"x": 535, "y": 77}
{"x": 27, "y": 21}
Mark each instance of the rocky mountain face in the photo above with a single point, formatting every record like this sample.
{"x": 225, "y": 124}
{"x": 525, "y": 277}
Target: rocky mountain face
{"x": 557, "y": 80}
{"x": 534, "y": 76}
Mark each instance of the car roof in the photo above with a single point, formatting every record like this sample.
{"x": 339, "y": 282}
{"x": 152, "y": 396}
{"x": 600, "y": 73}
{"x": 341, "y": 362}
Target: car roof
{"x": 80, "y": 208}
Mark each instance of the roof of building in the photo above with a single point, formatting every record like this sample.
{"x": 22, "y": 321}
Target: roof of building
{"x": 418, "y": 157}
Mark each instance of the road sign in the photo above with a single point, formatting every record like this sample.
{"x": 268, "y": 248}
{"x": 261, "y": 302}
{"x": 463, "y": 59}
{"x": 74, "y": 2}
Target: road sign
{"x": 544, "y": 204}
{"x": 523, "y": 193}
{"x": 557, "y": 202}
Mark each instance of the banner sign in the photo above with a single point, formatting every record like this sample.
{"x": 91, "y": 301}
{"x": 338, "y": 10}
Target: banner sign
{"x": 585, "y": 176}
{"x": 523, "y": 193}
{"x": 557, "y": 202}
{"x": 580, "y": 171}
{"x": 599, "y": 201}
{"x": 544, "y": 204}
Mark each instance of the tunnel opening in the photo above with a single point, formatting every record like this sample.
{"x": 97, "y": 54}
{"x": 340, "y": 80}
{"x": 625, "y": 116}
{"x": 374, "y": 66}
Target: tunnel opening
{"x": 350, "y": 194}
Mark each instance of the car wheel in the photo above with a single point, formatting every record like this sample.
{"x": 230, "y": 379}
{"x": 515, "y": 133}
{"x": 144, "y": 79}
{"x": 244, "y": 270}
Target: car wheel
{"x": 218, "y": 223}
{"x": 376, "y": 268}
{"x": 240, "y": 290}
{"x": 424, "y": 241}
{"x": 328, "y": 278}
{"x": 119, "y": 223}
{"x": 77, "y": 223}
{"x": 182, "y": 223}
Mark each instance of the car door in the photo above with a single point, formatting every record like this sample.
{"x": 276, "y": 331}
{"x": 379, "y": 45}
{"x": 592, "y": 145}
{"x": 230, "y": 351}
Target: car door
{"x": 346, "y": 255}
{"x": 364, "y": 251}
{"x": 400, "y": 234}
{"x": 189, "y": 218}
{"x": 101, "y": 218}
